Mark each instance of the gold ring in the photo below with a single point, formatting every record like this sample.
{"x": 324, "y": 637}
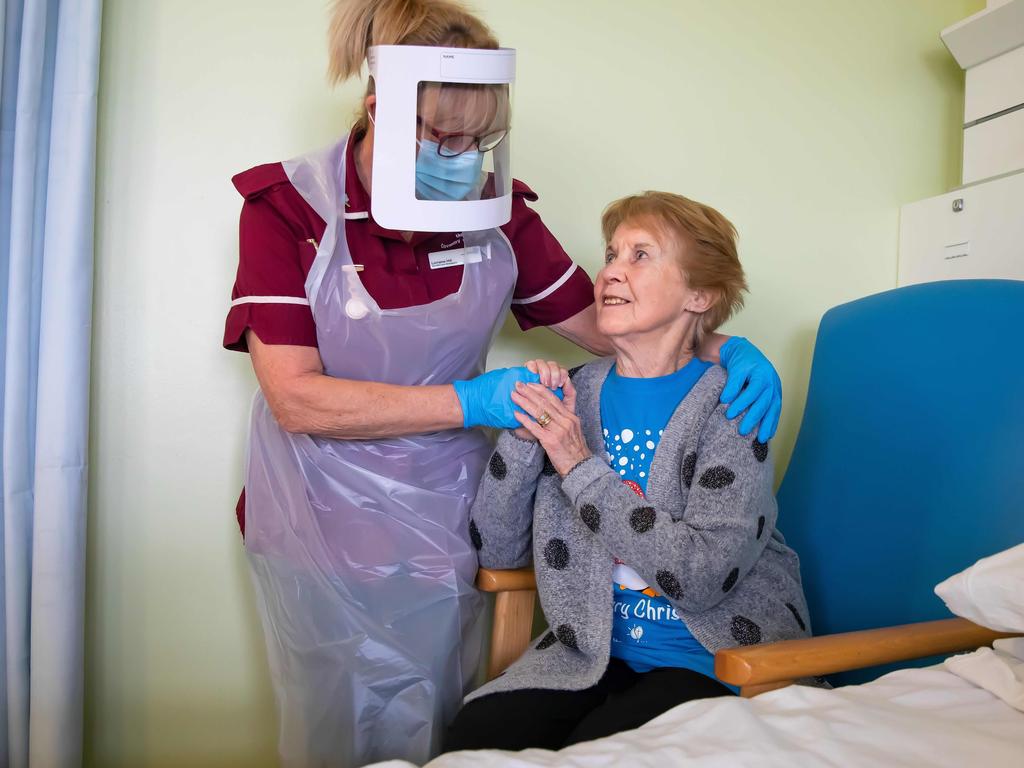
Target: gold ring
{"x": 544, "y": 419}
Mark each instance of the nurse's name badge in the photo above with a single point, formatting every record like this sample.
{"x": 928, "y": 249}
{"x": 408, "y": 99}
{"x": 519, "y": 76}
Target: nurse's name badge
{"x": 456, "y": 257}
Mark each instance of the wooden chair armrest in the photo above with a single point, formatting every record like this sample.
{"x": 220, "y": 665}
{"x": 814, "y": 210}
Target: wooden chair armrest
{"x": 766, "y": 666}
{"x": 513, "y": 613}
{"x": 512, "y": 580}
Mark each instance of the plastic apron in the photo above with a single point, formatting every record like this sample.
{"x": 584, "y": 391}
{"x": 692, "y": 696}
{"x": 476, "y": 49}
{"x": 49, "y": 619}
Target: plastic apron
{"x": 360, "y": 549}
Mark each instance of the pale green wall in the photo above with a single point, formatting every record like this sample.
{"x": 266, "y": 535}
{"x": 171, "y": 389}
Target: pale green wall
{"x": 806, "y": 123}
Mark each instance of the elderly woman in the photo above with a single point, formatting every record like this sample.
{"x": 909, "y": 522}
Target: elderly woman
{"x": 650, "y": 520}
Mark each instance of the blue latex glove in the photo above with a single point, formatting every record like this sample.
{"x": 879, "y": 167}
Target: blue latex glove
{"x": 761, "y": 398}
{"x": 487, "y": 400}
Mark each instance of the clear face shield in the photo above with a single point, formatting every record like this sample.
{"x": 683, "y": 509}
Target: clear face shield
{"x": 441, "y": 138}
{"x": 462, "y": 142}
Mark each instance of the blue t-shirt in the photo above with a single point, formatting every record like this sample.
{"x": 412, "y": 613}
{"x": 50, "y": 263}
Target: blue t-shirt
{"x": 647, "y": 632}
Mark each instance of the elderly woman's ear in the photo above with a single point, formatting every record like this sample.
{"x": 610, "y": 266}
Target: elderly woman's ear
{"x": 700, "y": 300}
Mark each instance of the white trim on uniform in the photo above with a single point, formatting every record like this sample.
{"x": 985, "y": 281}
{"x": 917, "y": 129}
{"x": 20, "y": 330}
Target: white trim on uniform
{"x": 550, "y": 289}
{"x": 270, "y": 300}
{"x": 357, "y": 215}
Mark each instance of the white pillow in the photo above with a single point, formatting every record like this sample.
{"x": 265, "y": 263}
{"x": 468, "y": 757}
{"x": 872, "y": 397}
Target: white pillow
{"x": 990, "y": 592}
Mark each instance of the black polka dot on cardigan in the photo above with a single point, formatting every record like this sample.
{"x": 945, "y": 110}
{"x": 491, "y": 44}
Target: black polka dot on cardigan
{"x": 474, "y": 535}
{"x": 730, "y": 580}
{"x": 591, "y": 517}
{"x": 796, "y": 615}
{"x": 548, "y": 640}
{"x": 760, "y": 526}
{"x": 497, "y": 466}
{"x": 549, "y": 468}
{"x": 567, "y": 636}
{"x": 642, "y": 519}
{"x": 717, "y": 477}
{"x": 689, "y": 467}
{"x": 670, "y": 584}
{"x": 760, "y": 449}
{"x": 556, "y": 554}
{"x": 744, "y": 631}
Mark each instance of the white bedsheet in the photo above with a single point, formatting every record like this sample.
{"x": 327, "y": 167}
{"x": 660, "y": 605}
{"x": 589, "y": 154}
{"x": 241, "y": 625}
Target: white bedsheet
{"x": 916, "y": 717}
{"x": 999, "y": 669}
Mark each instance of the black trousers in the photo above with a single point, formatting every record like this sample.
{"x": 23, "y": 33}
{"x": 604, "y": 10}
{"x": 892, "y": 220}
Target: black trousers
{"x": 622, "y": 699}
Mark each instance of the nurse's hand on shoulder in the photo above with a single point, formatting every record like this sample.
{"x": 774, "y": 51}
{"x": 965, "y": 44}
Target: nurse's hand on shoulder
{"x": 752, "y": 385}
{"x": 553, "y": 423}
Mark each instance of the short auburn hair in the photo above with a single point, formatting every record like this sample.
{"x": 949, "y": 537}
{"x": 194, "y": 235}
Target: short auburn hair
{"x": 707, "y": 240}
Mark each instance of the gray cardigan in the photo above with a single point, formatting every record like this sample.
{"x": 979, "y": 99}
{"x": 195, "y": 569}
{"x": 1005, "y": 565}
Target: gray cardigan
{"x": 704, "y": 537}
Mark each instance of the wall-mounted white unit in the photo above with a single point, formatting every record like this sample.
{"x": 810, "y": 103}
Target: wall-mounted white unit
{"x": 993, "y": 147}
{"x": 990, "y": 46}
{"x": 994, "y": 86}
{"x": 987, "y": 34}
{"x": 973, "y": 232}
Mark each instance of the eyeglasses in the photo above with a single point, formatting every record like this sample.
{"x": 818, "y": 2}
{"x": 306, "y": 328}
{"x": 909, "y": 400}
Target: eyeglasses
{"x": 454, "y": 144}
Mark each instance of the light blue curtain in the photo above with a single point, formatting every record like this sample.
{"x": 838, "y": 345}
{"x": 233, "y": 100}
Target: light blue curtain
{"x": 50, "y": 61}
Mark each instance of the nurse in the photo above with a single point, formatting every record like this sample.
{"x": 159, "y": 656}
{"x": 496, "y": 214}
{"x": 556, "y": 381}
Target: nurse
{"x": 373, "y": 277}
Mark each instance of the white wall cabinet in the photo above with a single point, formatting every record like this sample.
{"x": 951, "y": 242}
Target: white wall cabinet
{"x": 983, "y": 239}
{"x": 977, "y": 231}
{"x": 994, "y": 147}
{"x": 994, "y": 86}
{"x": 990, "y": 46}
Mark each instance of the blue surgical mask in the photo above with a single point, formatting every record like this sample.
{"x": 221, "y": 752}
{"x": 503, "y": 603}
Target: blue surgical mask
{"x": 446, "y": 178}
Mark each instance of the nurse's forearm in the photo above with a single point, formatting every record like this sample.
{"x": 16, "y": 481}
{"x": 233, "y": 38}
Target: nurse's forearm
{"x": 353, "y": 410}
{"x": 305, "y": 400}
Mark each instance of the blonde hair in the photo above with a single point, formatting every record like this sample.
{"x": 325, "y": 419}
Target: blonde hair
{"x": 711, "y": 261}
{"x": 358, "y": 24}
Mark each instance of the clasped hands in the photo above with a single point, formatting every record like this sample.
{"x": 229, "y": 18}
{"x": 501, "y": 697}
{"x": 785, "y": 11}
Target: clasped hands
{"x": 549, "y": 420}
{"x": 536, "y": 400}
